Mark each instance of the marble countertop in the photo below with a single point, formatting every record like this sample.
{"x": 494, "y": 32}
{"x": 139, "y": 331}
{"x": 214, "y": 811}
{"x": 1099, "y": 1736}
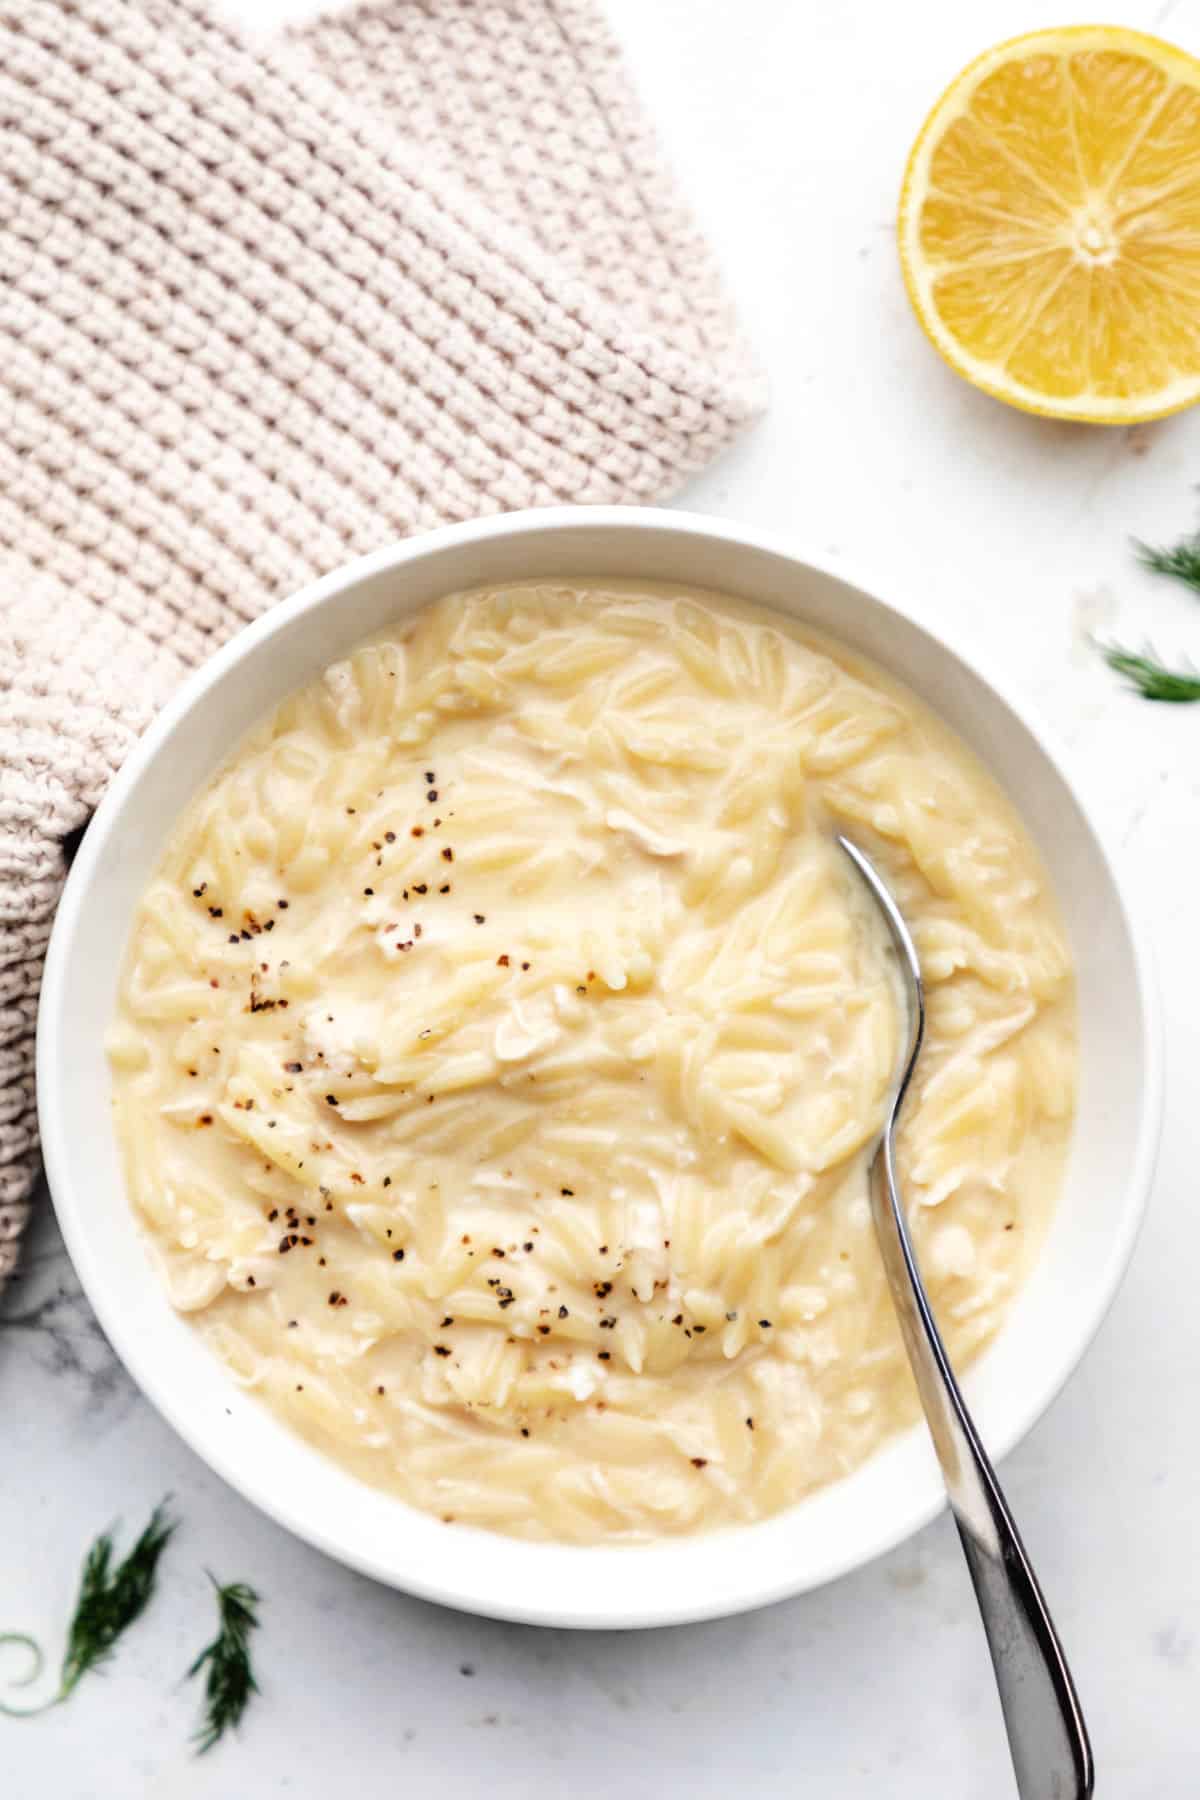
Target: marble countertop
{"x": 790, "y": 125}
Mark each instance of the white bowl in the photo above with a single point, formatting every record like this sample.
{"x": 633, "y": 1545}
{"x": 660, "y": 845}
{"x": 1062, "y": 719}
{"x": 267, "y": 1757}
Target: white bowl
{"x": 899, "y": 1489}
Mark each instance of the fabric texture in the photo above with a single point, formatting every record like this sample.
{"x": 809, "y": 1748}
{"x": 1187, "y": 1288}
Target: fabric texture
{"x": 266, "y": 307}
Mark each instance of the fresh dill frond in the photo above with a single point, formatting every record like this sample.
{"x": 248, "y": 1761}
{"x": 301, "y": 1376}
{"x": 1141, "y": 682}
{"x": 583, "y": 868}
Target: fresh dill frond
{"x": 110, "y": 1600}
{"x": 230, "y": 1680}
{"x": 1151, "y": 678}
{"x": 109, "y": 1603}
{"x": 1181, "y": 561}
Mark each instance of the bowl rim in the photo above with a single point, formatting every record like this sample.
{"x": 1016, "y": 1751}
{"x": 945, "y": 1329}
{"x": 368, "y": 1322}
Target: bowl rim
{"x": 71, "y": 1211}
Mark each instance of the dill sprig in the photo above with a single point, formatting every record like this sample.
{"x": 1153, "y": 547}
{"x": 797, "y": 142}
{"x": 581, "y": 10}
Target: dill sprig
{"x": 110, "y": 1599}
{"x": 230, "y": 1680}
{"x": 1181, "y": 561}
{"x": 1149, "y": 677}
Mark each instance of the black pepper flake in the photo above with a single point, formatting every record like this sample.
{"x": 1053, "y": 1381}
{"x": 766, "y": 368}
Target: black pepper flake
{"x": 678, "y": 1319}
{"x": 337, "y": 1299}
{"x": 441, "y": 1350}
{"x": 524, "y": 1431}
{"x": 601, "y": 1289}
{"x": 562, "y": 1312}
{"x": 445, "y": 888}
{"x": 293, "y": 1068}
{"x": 282, "y": 905}
{"x": 447, "y": 854}
{"x": 465, "y": 1669}
{"x": 216, "y": 912}
{"x": 418, "y": 831}
{"x": 233, "y": 937}
{"x": 421, "y": 887}
{"x": 604, "y": 1250}
{"x": 431, "y": 796}
{"x": 387, "y": 1181}
{"x": 273, "y": 1214}
{"x": 765, "y": 1324}
{"x": 478, "y": 917}
{"x": 699, "y": 1462}
{"x": 603, "y": 1356}
{"x": 250, "y": 1281}
{"x": 524, "y": 965}
{"x": 368, "y": 890}
{"x": 270, "y": 925}
{"x": 699, "y": 1328}
{"x": 569, "y": 1192}
{"x": 205, "y": 1119}
{"x": 331, "y": 1099}
{"x": 447, "y": 1321}
{"x": 749, "y": 1424}
{"x": 731, "y": 1316}
{"x": 389, "y": 837}
{"x": 198, "y": 893}
{"x": 429, "y": 777}
{"x": 502, "y": 962}
{"x": 397, "y": 1256}
{"x": 292, "y": 1324}
{"x": 527, "y": 1248}
{"x": 545, "y": 1330}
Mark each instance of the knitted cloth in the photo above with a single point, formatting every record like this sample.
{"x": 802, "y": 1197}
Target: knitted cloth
{"x": 265, "y": 308}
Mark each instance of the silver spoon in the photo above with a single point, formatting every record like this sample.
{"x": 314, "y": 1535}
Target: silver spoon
{"x": 1051, "y": 1754}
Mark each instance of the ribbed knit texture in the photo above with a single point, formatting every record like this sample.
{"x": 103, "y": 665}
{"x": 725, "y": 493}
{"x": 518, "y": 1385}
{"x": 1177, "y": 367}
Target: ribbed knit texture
{"x": 263, "y": 309}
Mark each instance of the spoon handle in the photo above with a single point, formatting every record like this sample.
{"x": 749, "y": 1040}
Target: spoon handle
{"x": 1047, "y": 1737}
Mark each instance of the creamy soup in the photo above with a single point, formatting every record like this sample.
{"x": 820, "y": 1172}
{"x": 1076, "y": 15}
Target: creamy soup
{"x": 503, "y": 1039}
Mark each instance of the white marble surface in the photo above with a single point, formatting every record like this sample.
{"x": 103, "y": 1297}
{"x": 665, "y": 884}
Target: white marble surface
{"x": 790, "y": 124}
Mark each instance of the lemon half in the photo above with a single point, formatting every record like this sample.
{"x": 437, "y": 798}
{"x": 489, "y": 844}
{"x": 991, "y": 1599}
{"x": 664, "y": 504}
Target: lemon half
{"x": 1049, "y": 225}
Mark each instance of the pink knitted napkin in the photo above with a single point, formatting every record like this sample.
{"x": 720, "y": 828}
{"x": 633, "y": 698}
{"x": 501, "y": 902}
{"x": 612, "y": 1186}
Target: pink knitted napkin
{"x": 262, "y": 309}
